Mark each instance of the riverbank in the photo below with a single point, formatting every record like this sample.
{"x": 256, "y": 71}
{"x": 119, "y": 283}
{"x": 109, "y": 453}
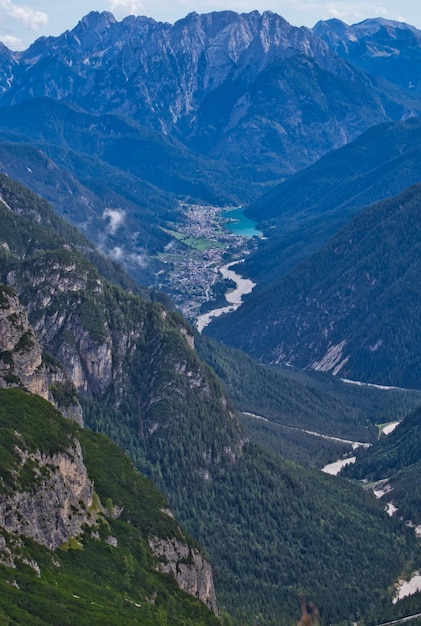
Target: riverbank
{"x": 234, "y": 298}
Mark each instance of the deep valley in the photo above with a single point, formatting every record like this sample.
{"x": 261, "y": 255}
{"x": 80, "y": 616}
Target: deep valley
{"x": 210, "y": 294}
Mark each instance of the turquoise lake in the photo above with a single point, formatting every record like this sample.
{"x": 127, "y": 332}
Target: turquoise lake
{"x": 240, "y": 224}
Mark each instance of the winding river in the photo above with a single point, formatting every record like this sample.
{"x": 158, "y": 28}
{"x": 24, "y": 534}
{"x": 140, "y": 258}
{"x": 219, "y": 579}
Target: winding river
{"x": 234, "y": 298}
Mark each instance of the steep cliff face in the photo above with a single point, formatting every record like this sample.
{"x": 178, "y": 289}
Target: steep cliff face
{"x": 47, "y": 495}
{"x": 188, "y": 566}
{"x": 23, "y": 364}
{"x": 20, "y": 354}
{"x": 54, "y": 506}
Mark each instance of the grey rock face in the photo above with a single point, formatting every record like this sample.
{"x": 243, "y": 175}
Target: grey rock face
{"x": 188, "y": 566}
{"x": 21, "y": 361}
{"x": 58, "y": 507}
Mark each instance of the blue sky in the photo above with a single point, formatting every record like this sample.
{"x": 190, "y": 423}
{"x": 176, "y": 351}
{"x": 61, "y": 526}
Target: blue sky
{"x": 23, "y": 22}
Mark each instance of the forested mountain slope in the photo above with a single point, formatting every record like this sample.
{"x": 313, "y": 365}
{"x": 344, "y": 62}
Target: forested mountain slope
{"x": 309, "y": 417}
{"x": 83, "y": 536}
{"x": 270, "y": 527}
{"x": 301, "y": 214}
{"x": 395, "y": 461}
{"x": 351, "y": 309}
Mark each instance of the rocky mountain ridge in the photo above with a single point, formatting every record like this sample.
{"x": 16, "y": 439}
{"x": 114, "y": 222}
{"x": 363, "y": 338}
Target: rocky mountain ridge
{"x": 384, "y": 48}
{"x": 249, "y": 89}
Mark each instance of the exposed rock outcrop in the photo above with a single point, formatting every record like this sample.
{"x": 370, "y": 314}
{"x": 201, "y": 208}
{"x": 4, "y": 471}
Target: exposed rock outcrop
{"x": 22, "y": 362}
{"x": 57, "y": 506}
{"x": 188, "y": 566}
{"x": 20, "y": 353}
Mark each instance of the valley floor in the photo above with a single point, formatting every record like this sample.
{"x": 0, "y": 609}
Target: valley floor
{"x": 198, "y": 262}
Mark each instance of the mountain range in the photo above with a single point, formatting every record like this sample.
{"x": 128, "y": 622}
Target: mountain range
{"x": 216, "y": 108}
{"x": 121, "y": 125}
{"x": 385, "y": 48}
{"x": 222, "y": 83}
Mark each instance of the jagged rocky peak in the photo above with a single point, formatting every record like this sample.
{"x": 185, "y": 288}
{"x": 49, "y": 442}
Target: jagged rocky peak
{"x": 97, "y": 21}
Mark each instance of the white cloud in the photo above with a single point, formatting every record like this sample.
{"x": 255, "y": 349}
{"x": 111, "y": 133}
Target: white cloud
{"x": 13, "y": 43}
{"x": 116, "y": 253}
{"x": 116, "y": 219}
{"x": 138, "y": 259}
{"x": 134, "y": 7}
{"x": 128, "y": 259}
{"x": 25, "y": 15}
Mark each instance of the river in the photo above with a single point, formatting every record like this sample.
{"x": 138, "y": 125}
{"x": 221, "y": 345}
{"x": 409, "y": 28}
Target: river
{"x": 234, "y": 298}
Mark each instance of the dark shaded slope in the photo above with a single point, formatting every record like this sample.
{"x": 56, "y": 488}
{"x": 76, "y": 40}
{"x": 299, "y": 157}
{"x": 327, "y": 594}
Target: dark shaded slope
{"x": 352, "y": 309}
{"x": 120, "y": 142}
{"x": 301, "y": 214}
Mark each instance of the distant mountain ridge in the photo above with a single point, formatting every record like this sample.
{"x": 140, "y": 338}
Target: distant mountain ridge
{"x": 384, "y": 48}
{"x": 246, "y": 88}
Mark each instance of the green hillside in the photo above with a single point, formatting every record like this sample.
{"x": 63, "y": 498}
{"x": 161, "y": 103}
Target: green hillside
{"x": 87, "y": 580}
{"x": 269, "y": 527}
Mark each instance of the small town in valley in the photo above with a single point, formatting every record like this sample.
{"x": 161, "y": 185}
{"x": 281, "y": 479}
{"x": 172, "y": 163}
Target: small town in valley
{"x": 203, "y": 242}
